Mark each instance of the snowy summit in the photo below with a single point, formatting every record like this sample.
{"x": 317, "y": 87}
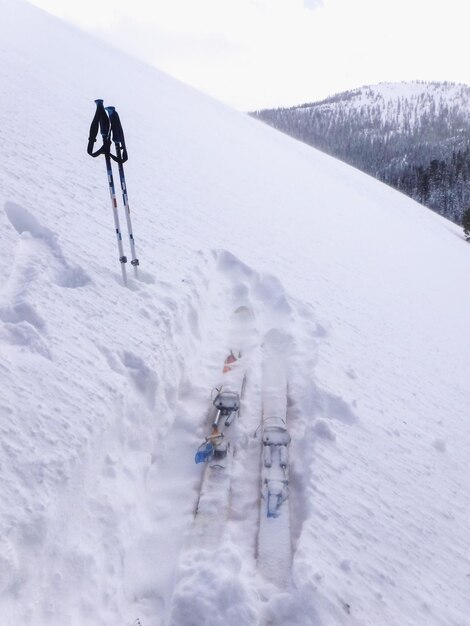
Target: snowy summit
{"x": 343, "y": 304}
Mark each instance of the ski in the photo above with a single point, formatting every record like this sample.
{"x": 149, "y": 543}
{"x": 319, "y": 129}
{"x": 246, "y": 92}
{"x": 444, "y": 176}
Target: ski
{"x": 217, "y": 453}
{"x": 207, "y": 535}
{"x": 217, "y": 450}
{"x": 274, "y": 538}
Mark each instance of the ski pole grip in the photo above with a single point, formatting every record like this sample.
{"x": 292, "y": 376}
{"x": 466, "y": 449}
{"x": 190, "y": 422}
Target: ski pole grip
{"x": 100, "y": 121}
{"x": 118, "y": 133}
{"x": 104, "y": 120}
{"x": 94, "y": 128}
{"x": 116, "y": 127}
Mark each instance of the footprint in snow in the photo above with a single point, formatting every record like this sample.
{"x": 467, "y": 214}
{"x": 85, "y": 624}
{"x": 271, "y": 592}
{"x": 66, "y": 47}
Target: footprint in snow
{"x": 66, "y": 274}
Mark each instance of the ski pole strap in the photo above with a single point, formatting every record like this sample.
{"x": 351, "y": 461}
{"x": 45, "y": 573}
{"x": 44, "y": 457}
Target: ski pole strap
{"x": 100, "y": 122}
{"x": 117, "y": 135}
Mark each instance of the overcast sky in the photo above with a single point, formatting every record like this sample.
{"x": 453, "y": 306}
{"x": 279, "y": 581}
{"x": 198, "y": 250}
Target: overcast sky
{"x": 259, "y": 53}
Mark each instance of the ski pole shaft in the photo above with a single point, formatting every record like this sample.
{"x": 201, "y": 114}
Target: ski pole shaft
{"x": 125, "y": 200}
{"x": 112, "y": 193}
{"x": 121, "y": 158}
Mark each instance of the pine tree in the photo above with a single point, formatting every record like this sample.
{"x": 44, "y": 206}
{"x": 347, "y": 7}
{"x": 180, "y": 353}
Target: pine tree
{"x": 466, "y": 223}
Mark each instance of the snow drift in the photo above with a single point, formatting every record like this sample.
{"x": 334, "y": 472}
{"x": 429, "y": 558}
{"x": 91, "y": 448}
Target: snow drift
{"x": 105, "y": 389}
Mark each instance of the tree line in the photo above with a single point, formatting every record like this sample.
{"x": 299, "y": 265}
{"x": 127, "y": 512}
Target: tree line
{"x": 418, "y": 142}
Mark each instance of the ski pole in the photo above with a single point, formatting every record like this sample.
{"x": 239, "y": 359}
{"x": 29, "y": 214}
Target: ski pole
{"x": 120, "y": 158}
{"x": 101, "y": 121}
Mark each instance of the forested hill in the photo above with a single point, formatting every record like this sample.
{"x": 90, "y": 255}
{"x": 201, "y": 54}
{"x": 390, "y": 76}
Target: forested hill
{"x": 413, "y": 136}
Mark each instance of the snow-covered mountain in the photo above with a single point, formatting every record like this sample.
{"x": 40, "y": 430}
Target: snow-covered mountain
{"x": 105, "y": 389}
{"x": 413, "y": 136}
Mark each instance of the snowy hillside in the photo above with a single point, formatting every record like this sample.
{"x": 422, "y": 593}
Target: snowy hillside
{"x": 356, "y": 299}
{"x": 413, "y": 136}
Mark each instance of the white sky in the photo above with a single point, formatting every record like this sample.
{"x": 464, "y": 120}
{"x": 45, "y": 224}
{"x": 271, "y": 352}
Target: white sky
{"x": 258, "y": 53}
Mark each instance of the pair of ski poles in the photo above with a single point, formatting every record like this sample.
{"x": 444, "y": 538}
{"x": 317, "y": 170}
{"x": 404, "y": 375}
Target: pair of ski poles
{"x": 107, "y": 121}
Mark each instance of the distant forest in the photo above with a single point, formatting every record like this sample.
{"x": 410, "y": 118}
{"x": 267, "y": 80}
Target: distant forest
{"x": 418, "y": 143}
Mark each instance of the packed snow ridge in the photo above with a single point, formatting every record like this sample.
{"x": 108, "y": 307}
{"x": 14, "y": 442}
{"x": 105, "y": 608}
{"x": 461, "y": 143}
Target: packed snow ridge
{"x": 106, "y": 389}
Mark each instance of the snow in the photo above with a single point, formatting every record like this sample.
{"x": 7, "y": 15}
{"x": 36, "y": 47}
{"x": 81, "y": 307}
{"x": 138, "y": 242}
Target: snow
{"x": 105, "y": 390}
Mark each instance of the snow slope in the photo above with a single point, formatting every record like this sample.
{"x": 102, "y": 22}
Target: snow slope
{"x": 105, "y": 390}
